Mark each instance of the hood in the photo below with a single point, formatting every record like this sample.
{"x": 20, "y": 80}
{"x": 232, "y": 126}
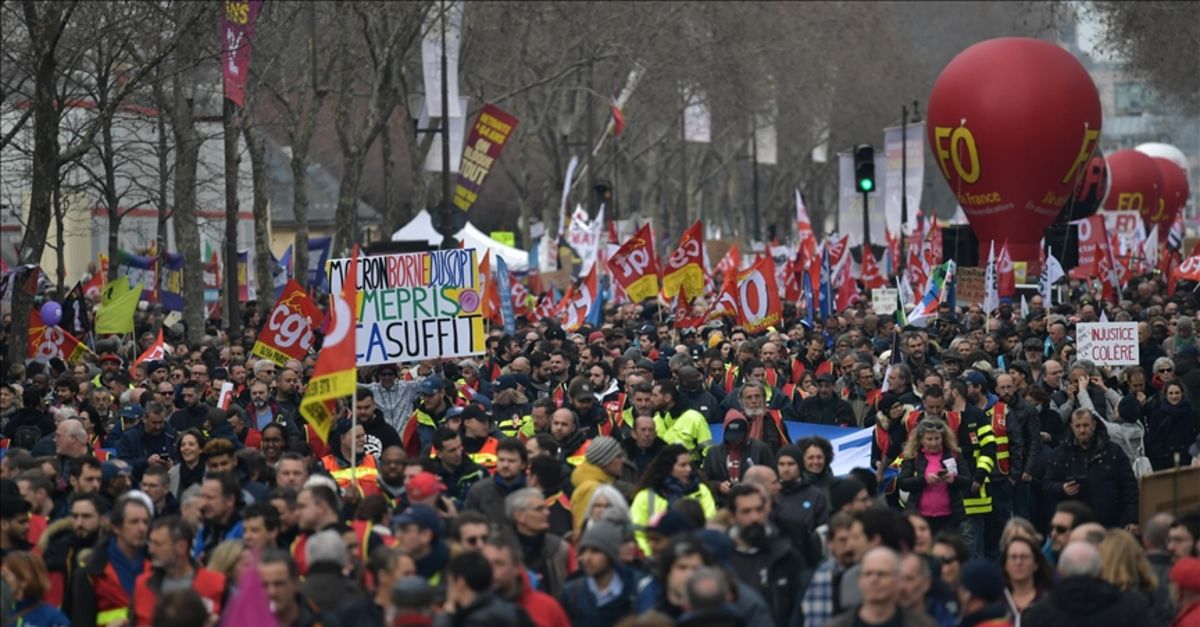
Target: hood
{"x": 1084, "y": 596}
{"x": 612, "y": 387}
{"x": 732, "y": 415}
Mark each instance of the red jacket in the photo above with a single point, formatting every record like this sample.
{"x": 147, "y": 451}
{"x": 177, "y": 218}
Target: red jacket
{"x": 208, "y": 584}
{"x": 543, "y": 609}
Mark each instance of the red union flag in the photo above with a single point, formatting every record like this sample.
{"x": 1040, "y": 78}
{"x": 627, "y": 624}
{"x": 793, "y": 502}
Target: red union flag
{"x": 725, "y": 304}
{"x": 1189, "y": 269}
{"x": 157, "y": 351}
{"x": 634, "y": 266}
{"x": 872, "y": 277}
{"x": 288, "y": 333}
{"x": 1006, "y": 277}
{"x": 730, "y": 262}
{"x": 579, "y": 301}
{"x": 685, "y": 268}
{"x": 237, "y": 32}
{"x": 334, "y": 375}
{"x": 46, "y": 342}
{"x": 758, "y": 304}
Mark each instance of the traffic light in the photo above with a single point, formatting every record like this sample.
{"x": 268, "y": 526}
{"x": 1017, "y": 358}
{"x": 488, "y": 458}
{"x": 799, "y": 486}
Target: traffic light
{"x": 864, "y": 167}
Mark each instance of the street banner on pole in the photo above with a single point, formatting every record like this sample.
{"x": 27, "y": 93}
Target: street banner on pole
{"x": 492, "y": 129}
{"x": 237, "y": 34}
{"x": 913, "y": 170}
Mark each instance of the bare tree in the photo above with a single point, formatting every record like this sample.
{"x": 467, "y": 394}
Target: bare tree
{"x": 1158, "y": 40}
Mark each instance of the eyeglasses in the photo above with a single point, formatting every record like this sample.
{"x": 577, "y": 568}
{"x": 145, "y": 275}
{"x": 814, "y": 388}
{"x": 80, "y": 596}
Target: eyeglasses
{"x": 1059, "y": 529}
{"x": 474, "y": 540}
{"x": 1164, "y": 370}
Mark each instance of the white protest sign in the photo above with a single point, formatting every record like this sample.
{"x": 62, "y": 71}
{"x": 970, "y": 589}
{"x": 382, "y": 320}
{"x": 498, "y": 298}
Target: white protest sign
{"x": 1107, "y": 343}
{"x": 884, "y": 300}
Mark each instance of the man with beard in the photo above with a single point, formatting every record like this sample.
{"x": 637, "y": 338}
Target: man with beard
{"x": 826, "y": 408}
{"x": 609, "y": 396}
{"x": 391, "y": 474}
{"x": 572, "y": 442}
{"x": 1027, "y": 425}
{"x": 417, "y": 431}
{"x": 380, "y": 434}
{"x": 264, "y": 410}
{"x": 174, "y": 569}
{"x": 194, "y": 414}
{"x": 151, "y": 443}
{"x": 847, "y": 543}
{"x": 1091, "y": 469}
{"x": 456, "y": 470}
{"x": 590, "y": 415}
{"x": 69, "y": 538}
{"x": 510, "y": 581}
{"x": 487, "y": 496}
{"x": 287, "y": 397}
{"x": 761, "y": 558}
{"x": 102, "y": 589}
{"x": 641, "y": 400}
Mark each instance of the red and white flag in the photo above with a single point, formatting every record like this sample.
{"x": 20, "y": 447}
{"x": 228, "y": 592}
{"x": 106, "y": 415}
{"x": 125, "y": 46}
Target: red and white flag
{"x": 872, "y": 277}
{"x": 156, "y": 351}
{"x": 1006, "y": 278}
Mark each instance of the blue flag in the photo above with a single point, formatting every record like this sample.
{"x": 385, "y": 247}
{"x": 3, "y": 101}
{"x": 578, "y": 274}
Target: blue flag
{"x": 170, "y": 289}
{"x": 505, "y": 290}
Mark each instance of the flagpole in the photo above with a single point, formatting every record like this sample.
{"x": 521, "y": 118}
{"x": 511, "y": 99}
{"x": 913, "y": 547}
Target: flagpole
{"x": 353, "y": 442}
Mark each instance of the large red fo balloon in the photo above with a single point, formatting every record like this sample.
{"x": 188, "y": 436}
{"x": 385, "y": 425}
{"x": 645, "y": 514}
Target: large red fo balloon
{"x": 1137, "y": 183}
{"x": 1174, "y": 196}
{"x": 1013, "y": 124}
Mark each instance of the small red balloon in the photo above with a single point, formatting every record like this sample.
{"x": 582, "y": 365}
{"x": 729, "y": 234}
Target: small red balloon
{"x": 1137, "y": 183}
{"x": 1013, "y": 124}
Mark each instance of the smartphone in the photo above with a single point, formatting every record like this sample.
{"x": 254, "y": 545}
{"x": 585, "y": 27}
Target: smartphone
{"x": 943, "y": 472}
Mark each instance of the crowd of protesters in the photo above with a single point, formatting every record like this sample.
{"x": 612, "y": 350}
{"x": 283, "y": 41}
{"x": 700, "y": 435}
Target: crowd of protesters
{"x": 573, "y": 478}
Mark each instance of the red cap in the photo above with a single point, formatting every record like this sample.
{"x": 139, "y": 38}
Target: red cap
{"x": 424, "y": 485}
{"x": 1186, "y": 574}
{"x": 595, "y": 336}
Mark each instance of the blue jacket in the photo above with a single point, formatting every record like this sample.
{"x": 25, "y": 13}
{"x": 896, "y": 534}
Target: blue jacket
{"x": 580, "y": 604}
{"x": 37, "y": 614}
{"x": 136, "y": 447}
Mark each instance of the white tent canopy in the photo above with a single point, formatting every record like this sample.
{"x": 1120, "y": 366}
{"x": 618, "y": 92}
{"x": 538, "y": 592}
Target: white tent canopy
{"x": 420, "y": 228}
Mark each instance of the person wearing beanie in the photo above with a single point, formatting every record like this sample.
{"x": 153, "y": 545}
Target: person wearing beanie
{"x": 1185, "y": 575}
{"x": 981, "y": 593}
{"x": 672, "y": 523}
{"x": 602, "y": 464}
{"x": 726, "y": 462}
{"x": 848, "y": 495}
{"x": 607, "y": 591}
{"x": 801, "y": 506}
{"x": 890, "y": 431}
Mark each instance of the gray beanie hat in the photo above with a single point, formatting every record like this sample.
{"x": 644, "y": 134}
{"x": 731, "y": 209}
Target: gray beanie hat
{"x": 603, "y": 536}
{"x": 602, "y": 450}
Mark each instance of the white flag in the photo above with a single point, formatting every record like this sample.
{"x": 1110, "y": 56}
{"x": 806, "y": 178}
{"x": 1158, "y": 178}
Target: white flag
{"x": 1103, "y": 315}
{"x": 1051, "y": 272}
{"x": 1024, "y": 307}
{"x": 991, "y": 291}
{"x": 1150, "y": 249}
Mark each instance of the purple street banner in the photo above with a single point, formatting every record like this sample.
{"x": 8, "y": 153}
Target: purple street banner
{"x": 488, "y": 135}
{"x": 237, "y": 32}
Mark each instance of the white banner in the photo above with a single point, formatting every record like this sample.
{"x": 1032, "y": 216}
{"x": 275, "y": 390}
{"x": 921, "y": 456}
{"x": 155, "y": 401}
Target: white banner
{"x": 431, "y": 58}
{"x": 433, "y": 158}
{"x": 914, "y": 171}
{"x": 850, "y": 214}
{"x": 583, "y": 236}
{"x": 1107, "y": 343}
{"x": 767, "y": 148}
{"x": 697, "y": 119}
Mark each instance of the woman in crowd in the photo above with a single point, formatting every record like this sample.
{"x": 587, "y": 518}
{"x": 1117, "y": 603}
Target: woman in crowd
{"x": 608, "y": 504}
{"x": 815, "y": 469}
{"x": 1124, "y": 565}
{"x": 190, "y": 469}
{"x": 272, "y": 441}
{"x": 951, "y": 553}
{"x": 934, "y": 475}
{"x": 1172, "y": 428}
{"x": 924, "y": 535}
{"x": 1019, "y": 527}
{"x": 27, "y": 579}
{"x": 1027, "y": 575}
{"x": 669, "y": 478}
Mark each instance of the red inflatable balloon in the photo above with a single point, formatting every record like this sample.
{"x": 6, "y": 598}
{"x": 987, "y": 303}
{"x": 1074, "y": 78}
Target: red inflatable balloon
{"x": 1137, "y": 184}
{"x": 1013, "y": 124}
{"x": 1173, "y": 197}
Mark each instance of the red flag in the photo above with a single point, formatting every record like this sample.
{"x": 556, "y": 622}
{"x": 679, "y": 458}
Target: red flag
{"x": 893, "y": 251}
{"x": 545, "y": 308}
{"x": 1188, "y": 269}
{"x": 847, "y": 289}
{"x": 579, "y": 301}
{"x": 683, "y": 315}
{"x": 334, "y": 375}
{"x": 46, "y": 342}
{"x": 1005, "y": 276}
{"x": 634, "y": 267}
{"x": 520, "y": 296}
{"x": 729, "y": 263}
{"x": 684, "y": 270}
{"x": 612, "y": 233}
{"x": 758, "y": 304}
{"x": 725, "y": 304}
{"x": 94, "y": 285}
{"x": 837, "y": 247}
{"x": 491, "y": 292}
{"x": 618, "y": 119}
{"x": 288, "y": 333}
{"x": 872, "y": 276}
{"x": 156, "y": 351}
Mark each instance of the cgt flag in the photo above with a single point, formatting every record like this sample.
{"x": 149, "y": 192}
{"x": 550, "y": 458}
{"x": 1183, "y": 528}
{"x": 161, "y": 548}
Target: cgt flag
{"x": 156, "y": 351}
{"x": 288, "y": 333}
{"x": 335, "y": 375}
{"x": 685, "y": 267}
{"x": 634, "y": 266}
{"x": 47, "y": 342}
{"x": 758, "y": 301}
{"x": 580, "y": 300}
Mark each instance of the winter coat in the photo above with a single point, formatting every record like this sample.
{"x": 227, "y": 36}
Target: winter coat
{"x": 487, "y": 496}
{"x": 780, "y": 575}
{"x": 1107, "y": 483}
{"x": 912, "y": 480}
{"x": 1170, "y": 429}
{"x": 136, "y": 447}
{"x": 908, "y": 618}
{"x": 799, "y": 509}
{"x": 487, "y": 610}
{"x": 1087, "y": 602}
{"x": 579, "y": 602}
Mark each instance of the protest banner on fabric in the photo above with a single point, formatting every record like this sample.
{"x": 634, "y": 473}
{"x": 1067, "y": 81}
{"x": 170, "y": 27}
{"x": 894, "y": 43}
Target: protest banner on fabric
{"x": 47, "y": 342}
{"x": 1107, "y": 343}
{"x": 634, "y": 266}
{"x": 758, "y": 301}
{"x": 288, "y": 332}
{"x": 491, "y": 131}
{"x": 118, "y": 302}
{"x": 237, "y": 34}
{"x": 141, "y": 270}
{"x": 170, "y": 287}
{"x": 415, "y": 306}
{"x": 685, "y": 267}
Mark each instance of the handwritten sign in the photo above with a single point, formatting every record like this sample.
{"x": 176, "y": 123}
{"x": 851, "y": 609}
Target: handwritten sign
{"x": 1108, "y": 343}
{"x": 884, "y": 300}
{"x": 970, "y": 286}
{"x": 415, "y": 306}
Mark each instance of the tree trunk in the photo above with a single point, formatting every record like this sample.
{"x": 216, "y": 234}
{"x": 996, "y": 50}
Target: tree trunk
{"x": 43, "y": 33}
{"x": 187, "y": 233}
{"x": 233, "y": 313}
{"x": 389, "y": 212}
{"x": 111, "y": 201}
{"x": 300, "y": 211}
{"x": 346, "y": 230}
{"x": 263, "y": 267}
{"x": 164, "y": 178}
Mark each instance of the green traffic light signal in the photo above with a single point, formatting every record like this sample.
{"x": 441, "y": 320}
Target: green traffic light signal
{"x": 866, "y": 185}
{"x": 864, "y": 168}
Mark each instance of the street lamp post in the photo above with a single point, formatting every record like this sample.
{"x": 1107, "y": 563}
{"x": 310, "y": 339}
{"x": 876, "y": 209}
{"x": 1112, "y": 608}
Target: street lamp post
{"x": 904, "y": 174}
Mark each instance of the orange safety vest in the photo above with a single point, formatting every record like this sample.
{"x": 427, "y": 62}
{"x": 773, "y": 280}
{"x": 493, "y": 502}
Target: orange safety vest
{"x": 112, "y": 602}
{"x": 366, "y": 472}
{"x": 999, "y": 415}
{"x": 208, "y": 584}
{"x": 486, "y": 455}
{"x": 580, "y": 453}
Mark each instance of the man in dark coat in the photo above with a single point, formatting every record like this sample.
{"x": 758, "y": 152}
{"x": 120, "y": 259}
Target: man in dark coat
{"x": 1089, "y": 468}
{"x": 726, "y": 462}
{"x": 1082, "y": 598}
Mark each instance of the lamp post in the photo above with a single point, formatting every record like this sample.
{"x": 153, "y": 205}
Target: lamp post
{"x": 904, "y": 173}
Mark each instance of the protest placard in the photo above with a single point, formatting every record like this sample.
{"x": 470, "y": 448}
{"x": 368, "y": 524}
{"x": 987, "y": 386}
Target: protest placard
{"x": 1107, "y": 343}
{"x": 415, "y": 306}
{"x": 970, "y": 286}
{"x": 884, "y": 300}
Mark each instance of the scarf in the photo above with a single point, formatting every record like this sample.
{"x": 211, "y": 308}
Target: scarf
{"x": 509, "y": 488}
{"x": 756, "y": 425}
{"x": 127, "y": 569}
{"x": 432, "y": 564}
{"x": 675, "y": 489}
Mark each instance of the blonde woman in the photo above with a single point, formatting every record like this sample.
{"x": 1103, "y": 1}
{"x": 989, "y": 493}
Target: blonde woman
{"x": 934, "y": 475}
{"x": 1018, "y": 527}
{"x": 228, "y": 558}
{"x": 1124, "y": 564}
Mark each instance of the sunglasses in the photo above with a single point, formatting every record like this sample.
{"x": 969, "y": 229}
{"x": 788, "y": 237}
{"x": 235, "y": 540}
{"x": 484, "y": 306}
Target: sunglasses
{"x": 1165, "y": 370}
{"x": 1059, "y": 529}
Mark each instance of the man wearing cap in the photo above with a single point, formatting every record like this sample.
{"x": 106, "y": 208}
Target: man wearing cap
{"x": 417, "y": 431}
{"x": 591, "y": 417}
{"x": 825, "y": 407}
{"x": 487, "y": 496}
{"x": 478, "y": 440}
{"x": 695, "y": 394}
{"x": 602, "y": 465}
{"x": 394, "y": 397}
{"x": 608, "y": 590}
{"x": 419, "y": 531}
{"x": 726, "y": 462}
{"x": 676, "y": 424}
{"x": 151, "y": 443}
{"x": 1185, "y": 575}
{"x": 981, "y": 594}
{"x": 109, "y": 362}
{"x": 128, "y": 417}
{"x": 509, "y": 405}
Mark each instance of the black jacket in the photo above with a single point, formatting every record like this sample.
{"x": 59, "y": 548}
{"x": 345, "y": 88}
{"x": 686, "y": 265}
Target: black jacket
{"x": 799, "y": 509}
{"x": 488, "y": 610}
{"x": 778, "y": 572}
{"x": 834, "y": 411}
{"x": 705, "y": 403}
{"x": 912, "y": 480}
{"x": 750, "y": 453}
{"x": 1087, "y": 602}
{"x": 136, "y": 447}
{"x": 1107, "y": 483}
